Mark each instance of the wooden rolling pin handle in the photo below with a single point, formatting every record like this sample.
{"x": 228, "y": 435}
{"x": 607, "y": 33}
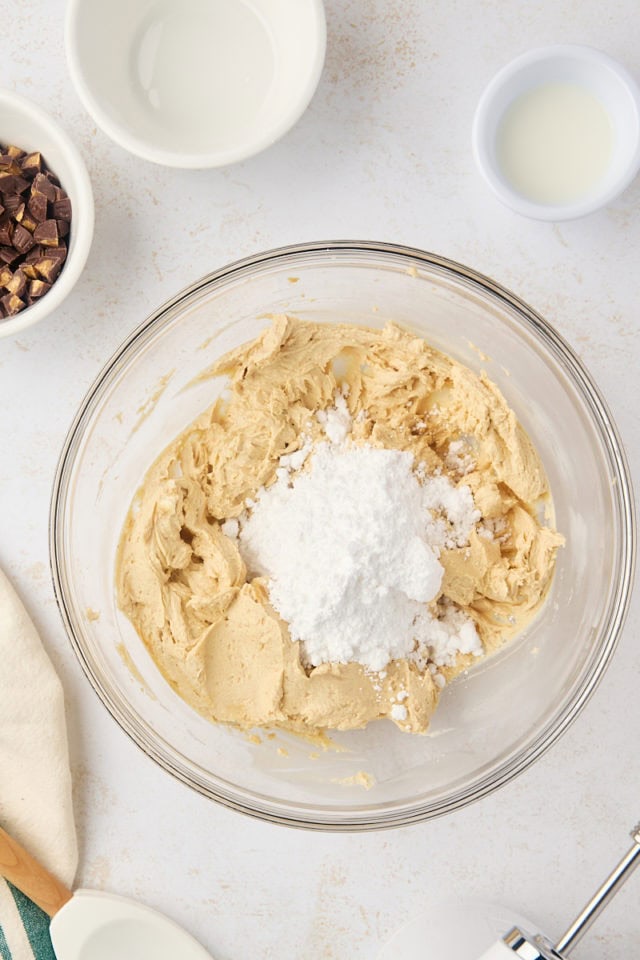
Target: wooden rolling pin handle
{"x": 19, "y": 868}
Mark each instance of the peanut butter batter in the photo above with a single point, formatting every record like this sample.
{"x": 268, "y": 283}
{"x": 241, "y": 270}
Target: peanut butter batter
{"x": 183, "y": 583}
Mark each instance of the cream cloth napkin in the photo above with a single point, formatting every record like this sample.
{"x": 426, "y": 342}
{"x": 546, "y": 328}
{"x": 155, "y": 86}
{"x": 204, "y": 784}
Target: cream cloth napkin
{"x": 35, "y": 780}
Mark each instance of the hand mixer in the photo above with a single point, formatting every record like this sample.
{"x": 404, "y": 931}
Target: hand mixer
{"x": 461, "y": 930}
{"x": 518, "y": 943}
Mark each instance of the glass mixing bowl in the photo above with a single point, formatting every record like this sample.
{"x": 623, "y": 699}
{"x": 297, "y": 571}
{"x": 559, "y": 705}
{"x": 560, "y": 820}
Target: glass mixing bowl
{"x": 493, "y": 722}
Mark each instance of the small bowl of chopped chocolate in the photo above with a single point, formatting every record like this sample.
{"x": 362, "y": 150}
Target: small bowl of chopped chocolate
{"x": 46, "y": 214}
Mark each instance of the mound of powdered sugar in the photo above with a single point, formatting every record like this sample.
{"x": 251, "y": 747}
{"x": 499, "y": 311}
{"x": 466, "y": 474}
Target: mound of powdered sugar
{"x": 350, "y": 548}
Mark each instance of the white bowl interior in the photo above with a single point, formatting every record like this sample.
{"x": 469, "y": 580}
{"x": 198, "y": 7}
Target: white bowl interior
{"x": 205, "y": 78}
{"x": 27, "y": 126}
{"x": 595, "y": 73}
{"x": 486, "y": 719}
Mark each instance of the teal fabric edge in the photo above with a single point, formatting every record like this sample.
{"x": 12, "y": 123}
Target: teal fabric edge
{"x": 5, "y": 953}
{"x": 36, "y": 924}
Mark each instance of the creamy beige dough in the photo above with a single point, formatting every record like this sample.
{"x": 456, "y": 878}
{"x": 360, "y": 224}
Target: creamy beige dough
{"x": 183, "y": 583}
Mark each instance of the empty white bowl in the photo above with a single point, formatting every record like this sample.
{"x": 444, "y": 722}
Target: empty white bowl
{"x": 26, "y": 125}
{"x": 195, "y": 83}
{"x": 581, "y": 67}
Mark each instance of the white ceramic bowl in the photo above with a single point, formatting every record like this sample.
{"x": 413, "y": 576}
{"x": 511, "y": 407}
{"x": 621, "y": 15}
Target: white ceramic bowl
{"x": 195, "y": 83}
{"x": 28, "y": 126}
{"x": 600, "y": 76}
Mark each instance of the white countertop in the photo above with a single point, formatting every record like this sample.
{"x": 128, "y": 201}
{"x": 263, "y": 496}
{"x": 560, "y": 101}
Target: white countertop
{"x": 382, "y": 153}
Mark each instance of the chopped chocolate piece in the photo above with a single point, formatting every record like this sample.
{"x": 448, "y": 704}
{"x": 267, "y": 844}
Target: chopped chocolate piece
{"x": 46, "y": 233}
{"x": 12, "y": 304}
{"x": 8, "y": 254}
{"x": 12, "y": 183}
{"x": 60, "y": 252}
{"x": 28, "y": 222}
{"x": 63, "y": 227}
{"x": 42, "y": 184}
{"x": 37, "y": 288}
{"x": 48, "y": 268}
{"x": 12, "y": 203}
{"x": 31, "y": 164}
{"x": 12, "y": 169}
{"x": 18, "y": 213}
{"x": 6, "y": 230}
{"x": 60, "y": 194}
{"x": 37, "y": 205}
{"x": 3, "y": 312}
{"x": 29, "y": 270}
{"x": 15, "y": 152}
{"x": 17, "y": 284}
{"x": 62, "y": 209}
{"x": 5, "y": 275}
{"x": 7, "y": 181}
{"x": 1, "y": 209}
{"x": 22, "y": 239}
{"x": 5, "y": 161}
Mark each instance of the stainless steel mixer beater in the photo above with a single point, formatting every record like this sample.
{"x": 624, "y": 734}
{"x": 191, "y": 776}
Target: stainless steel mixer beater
{"x": 518, "y": 943}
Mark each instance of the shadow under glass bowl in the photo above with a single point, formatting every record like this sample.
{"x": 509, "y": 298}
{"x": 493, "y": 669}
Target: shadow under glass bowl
{"x": 492, "y": 723}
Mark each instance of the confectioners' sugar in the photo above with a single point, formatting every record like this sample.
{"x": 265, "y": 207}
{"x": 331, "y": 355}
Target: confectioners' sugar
{"x": 494, "y": 528}
{"x": 454, "y": 510}
{"x": 347, "y": 548}
{"x": 230, "y": 528}
{"x": 399, "y": 712}
{"x": 459, "y": 458}
{"x": 336, "y": 421}
{"x": 350, "y": 547}
{"x": 440, "y": 639}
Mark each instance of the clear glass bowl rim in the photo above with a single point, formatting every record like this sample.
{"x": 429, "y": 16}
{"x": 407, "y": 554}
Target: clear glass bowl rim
{"x": 295, "y": 815}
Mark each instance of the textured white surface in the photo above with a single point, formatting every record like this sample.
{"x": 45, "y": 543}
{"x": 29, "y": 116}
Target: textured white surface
{"x": 382, "y": 153}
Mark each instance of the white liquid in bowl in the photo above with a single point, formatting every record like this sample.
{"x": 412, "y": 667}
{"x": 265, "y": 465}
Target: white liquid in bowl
{"x": 203, "y": 69}
{"x": 554, "y": 143}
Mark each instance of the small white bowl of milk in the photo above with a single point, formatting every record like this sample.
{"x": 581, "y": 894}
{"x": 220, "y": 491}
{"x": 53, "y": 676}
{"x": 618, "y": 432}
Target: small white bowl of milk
{"x": 556, "y": 133}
